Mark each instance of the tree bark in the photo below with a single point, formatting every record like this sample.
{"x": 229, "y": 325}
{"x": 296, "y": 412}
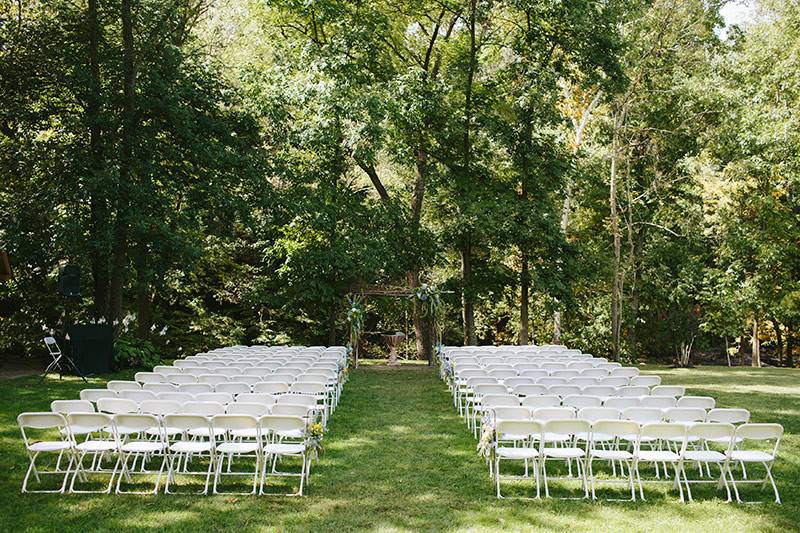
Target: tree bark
{"x": 332, "y": 326}
{"x": 422, "y": 325}
{"x": 789, "y": 346}
{"x": 616, "y": 288}
{"x": 467, "y": 303}
{"x": 524, "y": 295}
{"x": 98, "y": 201}
{"x": 756, "y": 343}
{"x": 779, "y": 339}
{"x": 126, "y": 161}
{"x": 742, "y": 344}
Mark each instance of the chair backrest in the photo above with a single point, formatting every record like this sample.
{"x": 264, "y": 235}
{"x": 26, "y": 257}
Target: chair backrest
{"x": 599, "y": 390}
{"x": 553, "y": 413}
{"x": 668, "y": 390}
{"x": 149, "y": 377}
{"x": 181, "y": 379}
{"x": 594, "y": 373}
{"x": 579, "y": 401}
{"x": 119, "y": 385}
{"x": 684, "y": 414}
{"x": 270, "y": 424}
{"x": 536, "y": 374}
{"x": 219, "y": 397}
{"x": 550, "y": 381}
{"x": 290, "y": 409}
{"x": 236, "y": 422}
{"x": 137, "y": 395}
{"x": 117, "y": 406}
{"x": 564, "y": 390}
{"x": 662, "y": 402}
{"x": 186, "y": 422}
{"x": 256, "y": 397}
{"x": 598, "y": 413}
{"x": 271, "y": 388}
{"x": 233, "y": 387}
{"x": 746, "y": 434}
{"x": 704, "y": 402}
{"x": 664, "y": 431}
{"x": 718, "y": 431}
{"x": 93, "y": 395}
{"x": 160, "y": 387}
{"x": 90, "y": 422}
{"x": 497, "y": 400}
{"x": 624, "y": 372}
{"x": 299, "y": 399}
{"x": 137, "y": 423}
{"x": 520, "y": 429}
{"x": 202, "y": 408}
{"x": 308, "y": 388}
{"x": 212, "y": 379}
{"x": 643, "y": 415}
{"x": 530, "y": 390}
{"x": 632, "y": 391}
{"x": 646, "y": 381}
{"x": 160, "y": 407}
{"x": 614, "y": 382}
{"x": 541, "y": 401}
{"x": 619, "y": 402}
{"x": 731, "y": 416}
{"x": 511, "y": 413}
{"x": 42, "y": 421}
{"x": 180, "y": 397}
{"x": 71, "y": 406}
{"x": 52, "y": 346}
{"x": 195, "y": 388}
{"x": 616, "y": 429}
{"x": 247, "y": 408}
{"x": 513, "y": 382}
{"x": 565, "y": 426}
{"x": 482, "y": 390}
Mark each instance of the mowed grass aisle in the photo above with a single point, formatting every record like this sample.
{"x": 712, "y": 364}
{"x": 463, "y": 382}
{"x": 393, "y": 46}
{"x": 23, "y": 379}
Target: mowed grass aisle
{"x": 397, "y": 457}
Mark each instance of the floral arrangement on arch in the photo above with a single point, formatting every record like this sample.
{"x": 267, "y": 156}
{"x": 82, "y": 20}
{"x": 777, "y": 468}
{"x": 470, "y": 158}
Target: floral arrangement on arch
{"x": 428, "y": 298}
{"x": 314, "y": 435}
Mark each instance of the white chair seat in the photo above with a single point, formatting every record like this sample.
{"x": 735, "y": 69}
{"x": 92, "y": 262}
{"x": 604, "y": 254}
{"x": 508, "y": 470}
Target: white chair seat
{"x": 186, "y": 446}
{"x": 657, "y": 456}
{"x": 143, "y": 447}
{"x": 96, "y": 446}
{"x": 612, "y": 455}
{"x": 284, "y": 449}
{"x": 238, "y": 447}
{"x": 564, "y": 453}
{"x": 153, "y": 432}
{"x": 751, "y": 456}
{"x": 706, "y": 456}
{"x": 49, "y": 446}
{"x": 516, "y": 453}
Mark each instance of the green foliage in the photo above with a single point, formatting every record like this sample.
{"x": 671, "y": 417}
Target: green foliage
{"x": 135, "y": 354}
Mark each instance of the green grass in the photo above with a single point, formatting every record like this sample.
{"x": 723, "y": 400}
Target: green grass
{"x": 397, "y": 457}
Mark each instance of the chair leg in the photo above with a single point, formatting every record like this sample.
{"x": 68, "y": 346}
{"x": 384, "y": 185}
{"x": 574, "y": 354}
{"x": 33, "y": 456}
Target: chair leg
{"x": 772, "y": 481}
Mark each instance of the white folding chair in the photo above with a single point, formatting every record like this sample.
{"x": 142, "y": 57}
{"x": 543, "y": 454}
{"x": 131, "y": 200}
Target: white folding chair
{"x": 240, "y": 445}
{"x": 119, "y": 385}
{"x": 563, "y": 432}
{"x": 668, "y": 390}
{"x": 702, "y": 433}
{"x": 703, "y": 402}
{"x": 99, "y": 441}
{"x": 747, "y": 435}
{"x": 613, "y": 434}
{"x": 280, "y": 432}
{"x": 93, "y": 395}
{"x": 525, "y": 434}
{"x": 185, "y": 448}
{"x": 662, "y": 438}
{"x": 45, "y": 433}
{"x": 142, "y": 440}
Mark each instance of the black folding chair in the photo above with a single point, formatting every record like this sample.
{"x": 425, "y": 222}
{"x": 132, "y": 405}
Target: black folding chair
{"x": 61, "y": 361}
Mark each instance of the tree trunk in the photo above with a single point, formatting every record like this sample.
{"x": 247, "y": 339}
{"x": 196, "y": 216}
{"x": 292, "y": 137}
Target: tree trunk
{"x": 756, "y": 342}
{"x": 742, "y": 344}
{"x": 332, "y": 326}
{"x": 126, "y": 161}
{"x": 616, "y": 286}
{"x": 789, "y": 346}
{"x": 524, "y": 295}
{"x": 467, "y": 303}
{"x": 98, "y": 202}
{"x": 423, "y": 329}
{"x": 779, "y": 339}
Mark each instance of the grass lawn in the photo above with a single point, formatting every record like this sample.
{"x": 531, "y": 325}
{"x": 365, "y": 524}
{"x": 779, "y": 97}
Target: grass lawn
{"x": 397, "y": 457}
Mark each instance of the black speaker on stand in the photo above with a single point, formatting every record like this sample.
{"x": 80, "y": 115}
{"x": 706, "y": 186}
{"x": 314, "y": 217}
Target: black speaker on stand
{"x": 69, "y": 280}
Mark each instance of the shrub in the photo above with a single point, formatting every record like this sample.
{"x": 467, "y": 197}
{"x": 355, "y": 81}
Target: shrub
{"x": 135, "y": 353}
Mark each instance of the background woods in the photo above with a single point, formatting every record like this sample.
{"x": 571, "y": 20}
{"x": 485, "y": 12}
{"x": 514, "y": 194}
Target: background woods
{"x": 617, "y": 176}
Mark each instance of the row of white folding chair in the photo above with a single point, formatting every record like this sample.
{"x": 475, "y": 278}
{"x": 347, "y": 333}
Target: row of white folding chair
{"x": 220, "y": 376}
{"x": 585, "y": 441}
{"x": 198, "y": 389}
{"x": 146, "y": 436}
{"x": 595, "y": 373}
{"x": 206, "y": 405}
